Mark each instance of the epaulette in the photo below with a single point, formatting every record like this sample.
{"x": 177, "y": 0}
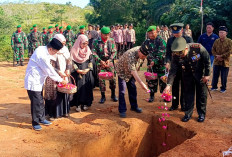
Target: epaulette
{"x": 195, "y": 45}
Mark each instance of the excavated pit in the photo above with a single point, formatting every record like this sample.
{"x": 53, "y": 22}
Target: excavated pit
{"x": 152, "y": 140}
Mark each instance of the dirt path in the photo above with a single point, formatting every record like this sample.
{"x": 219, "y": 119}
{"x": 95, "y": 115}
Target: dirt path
{"x": 100, "y": 132}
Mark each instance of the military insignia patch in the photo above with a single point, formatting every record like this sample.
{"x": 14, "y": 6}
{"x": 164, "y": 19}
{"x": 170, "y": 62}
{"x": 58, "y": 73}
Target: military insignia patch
{"x": 175, "y": 28}
{"x": 195, "y": 46}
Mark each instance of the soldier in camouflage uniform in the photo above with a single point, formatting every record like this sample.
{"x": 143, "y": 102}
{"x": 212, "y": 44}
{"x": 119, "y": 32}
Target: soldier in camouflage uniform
{"x": 61, "y": 30}
{"x": 44, "y": 36}
{"x": 35, "y": 39}
{"x": 104, "y": 51}
{"x": 69, "y": 35}
{"x": 29, "y": 43}
{"x": 82, "y": 31}
{"x": 19, "y": 43}
{"x": 57, "y": 31}
{"x": 50, "y": 34}
{"x": 155, "y": 60}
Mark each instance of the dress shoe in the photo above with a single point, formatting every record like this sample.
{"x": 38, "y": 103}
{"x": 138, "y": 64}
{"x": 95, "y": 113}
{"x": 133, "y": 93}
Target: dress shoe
{"x": 151, "y": 99}
{"x": 201, "y": 118}
{"x": 21, "y": 63}
{"x": 102, "y": 100}
{"x": 138, "y": 110}
{"x": 114, "y": 98}
{"x": 17, "y": 64}
{"x": 186, "y": 118}
{"x": 172, "y": 108}
{"x": 122, "y": 114}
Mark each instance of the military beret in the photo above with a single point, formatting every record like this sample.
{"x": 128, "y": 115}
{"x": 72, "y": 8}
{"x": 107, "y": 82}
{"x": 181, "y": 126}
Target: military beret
{"x": 31, "y": 28}
{"x": 68, "y": 27}
{"x": 82, "y": 27}
{"x": 176, "y": 27}
{"x": 144, "y": 49}
{"x": 56, "y": 44}
{"x": 19, "y": 26}
{"x": 179, "y": 44}
{"x": 56, "y": 25}
{"x": 35, "y": 25}
{"x": 60, "y": 27}
{"x": 50, "y": 27}
{"x": 151, "y": 28}
{"x": 44, "y": 28}
{"x": 223, "y": 28}
{"x": 105, "y": 30}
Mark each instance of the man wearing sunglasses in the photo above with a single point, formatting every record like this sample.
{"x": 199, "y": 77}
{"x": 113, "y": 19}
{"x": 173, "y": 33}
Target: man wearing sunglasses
{"x": 193, "y": 61}
{"x": 177, "y": 32}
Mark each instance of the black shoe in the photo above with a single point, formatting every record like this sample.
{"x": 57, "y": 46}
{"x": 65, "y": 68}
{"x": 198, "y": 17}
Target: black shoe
{"x": 21, "y": 63}
{"x": 172, "y": 108}
{"x": 185, "y": 118}
{"x": 114, "y": 98}
{"x": 151, "y": 99}
{"x": 201, "y": 118}
{"x": 138, "y": 110}
{"x": 102, "y": 100}
{"x": 15, "y": 65}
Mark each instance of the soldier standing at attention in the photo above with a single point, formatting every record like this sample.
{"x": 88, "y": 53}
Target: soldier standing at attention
{"x": 194, "y": 64}
{"x": 118, "y": 38}
{"x": 57, "y": 31}
{"x": 82, "y": 31}
{"x": 69, "y": 36}
{"x": 19, "y": 43}
{"x": 50, "y": 34}
{"x": 104, "y": 51}
{"x": 29, "y": 43}
{"x": 61, "y": 29}
{"x": 35, "y": 38}
{"x": 130, "y": 37}
{"x": 124, "y": 37}
{"x": 177, "y": 31}
{"x": 44, "y": 36}
{"x": 155, "y": 61}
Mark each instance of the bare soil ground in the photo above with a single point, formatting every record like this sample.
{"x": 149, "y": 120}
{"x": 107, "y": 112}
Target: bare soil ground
{"x": 100, "y": 132}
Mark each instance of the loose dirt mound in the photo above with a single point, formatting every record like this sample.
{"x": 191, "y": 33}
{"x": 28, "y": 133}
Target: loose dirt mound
{"x": 100, "y": 132}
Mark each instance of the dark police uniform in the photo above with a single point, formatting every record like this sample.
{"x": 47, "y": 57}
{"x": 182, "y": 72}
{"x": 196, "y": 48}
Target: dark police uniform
{"x": 175, "y": 88}
{"x": 194, "y": 66}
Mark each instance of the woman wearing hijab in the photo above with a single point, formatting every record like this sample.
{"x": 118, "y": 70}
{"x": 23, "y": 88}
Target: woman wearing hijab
{"x": 56, "y": 103}
{"x": 82, "y": 64}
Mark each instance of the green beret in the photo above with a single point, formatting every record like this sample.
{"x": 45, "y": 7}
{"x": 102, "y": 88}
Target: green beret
{"x": 50, "y": 27}
{"x": 179, "y": 44}
{"x": 31, "y": 28}
{"x": 151, "y": 28}
{"x": 68, "y": 27}
{"x": 44, "y": 28}
{"x": 105, "y": 30}
{"x": 60, "y": 27}
{"x": 35, "y": 25}
{"x": 19, "y": 26}
{"x": 82, "y": 27}
{"x": 56, "y": 25}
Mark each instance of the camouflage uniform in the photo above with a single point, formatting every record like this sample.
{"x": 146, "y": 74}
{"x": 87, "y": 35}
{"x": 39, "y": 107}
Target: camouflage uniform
{"x": 157, "y": 48}
{"x": 49, "y": 37}
{"x": 44, "y": 36}
{"x": 19, "y": 43}
{"x": 103, "y": 52}
{"x": 56, "y": 32}
{"x": 69, "y": 36}
{"x": 35, "y": 39}
{"x": 29, "y": 45}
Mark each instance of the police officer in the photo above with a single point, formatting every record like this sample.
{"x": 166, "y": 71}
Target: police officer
{"x": 104, "y": 51}
{"x": 194, "y": 62}
{"x": 155, "y": 60}
{"x": 177, "y": 31}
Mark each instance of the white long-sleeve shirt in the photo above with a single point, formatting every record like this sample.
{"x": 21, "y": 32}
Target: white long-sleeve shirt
{"x": 38, "y": 69}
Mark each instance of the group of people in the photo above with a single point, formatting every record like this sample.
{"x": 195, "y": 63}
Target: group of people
{"x": 92, "y": 53}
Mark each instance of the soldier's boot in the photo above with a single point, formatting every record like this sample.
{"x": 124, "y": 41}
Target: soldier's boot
{"x": 21, "y": 63}
{"x": 113, "y": 96}
{"x": 16, "y": 64}
{"x": 103, "y": 98}
{"x": 152, "y": 97}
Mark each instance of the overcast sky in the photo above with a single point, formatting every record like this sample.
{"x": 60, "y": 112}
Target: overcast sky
{"x": 80, "y": 3}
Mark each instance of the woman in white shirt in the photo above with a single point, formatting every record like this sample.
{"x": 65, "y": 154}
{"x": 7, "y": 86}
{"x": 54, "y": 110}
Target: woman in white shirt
{"x": 38, "y": 69}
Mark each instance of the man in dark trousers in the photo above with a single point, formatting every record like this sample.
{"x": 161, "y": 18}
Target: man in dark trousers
{"x": 193, "y": 61}
{"x": 177, "y": 31}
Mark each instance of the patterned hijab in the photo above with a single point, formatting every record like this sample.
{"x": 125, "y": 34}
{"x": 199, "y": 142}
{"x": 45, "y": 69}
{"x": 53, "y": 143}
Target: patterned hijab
{"x": 78, "y": 54}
